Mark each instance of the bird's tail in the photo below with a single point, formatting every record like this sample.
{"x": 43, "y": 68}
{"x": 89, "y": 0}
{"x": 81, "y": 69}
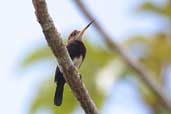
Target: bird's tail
{"x": 59, "y": 94}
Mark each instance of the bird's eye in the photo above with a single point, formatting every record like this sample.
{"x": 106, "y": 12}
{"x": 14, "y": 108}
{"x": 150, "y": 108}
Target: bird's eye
{"x": 74, "y": 33}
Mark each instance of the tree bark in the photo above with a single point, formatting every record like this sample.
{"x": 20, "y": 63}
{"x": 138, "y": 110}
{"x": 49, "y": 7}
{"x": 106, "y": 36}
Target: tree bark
{"x": 55, "y": 42}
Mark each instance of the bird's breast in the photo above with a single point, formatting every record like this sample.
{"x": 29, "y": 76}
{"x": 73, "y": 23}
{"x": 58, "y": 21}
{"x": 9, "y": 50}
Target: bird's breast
{"x": 76, "y": 49}
{"x": 77, "y": 61}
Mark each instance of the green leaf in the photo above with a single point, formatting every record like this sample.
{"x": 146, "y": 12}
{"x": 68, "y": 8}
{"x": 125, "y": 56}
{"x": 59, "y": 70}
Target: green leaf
{"x": 159, "y": 10}
{"x": 42, "y": 53}
{"x": 44, "y": 99}
{"x": 96, "y": 58}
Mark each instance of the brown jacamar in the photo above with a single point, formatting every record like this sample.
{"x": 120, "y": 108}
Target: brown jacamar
{"x": 77, "y": 52}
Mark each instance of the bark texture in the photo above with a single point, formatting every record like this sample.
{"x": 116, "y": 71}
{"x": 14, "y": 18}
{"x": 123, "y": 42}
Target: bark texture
{"x": 56, "y": 44}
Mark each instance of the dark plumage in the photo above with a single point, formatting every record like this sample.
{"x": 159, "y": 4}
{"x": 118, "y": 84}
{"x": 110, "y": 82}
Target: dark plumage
{"x": 75, "y": 49}
{"x": 77, "y": 52}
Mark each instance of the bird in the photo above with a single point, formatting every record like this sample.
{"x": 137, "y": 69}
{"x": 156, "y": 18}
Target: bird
{"x": 77, "y": 52}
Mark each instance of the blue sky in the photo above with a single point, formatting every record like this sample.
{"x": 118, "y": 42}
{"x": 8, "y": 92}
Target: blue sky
{"x": 20, "y": 31}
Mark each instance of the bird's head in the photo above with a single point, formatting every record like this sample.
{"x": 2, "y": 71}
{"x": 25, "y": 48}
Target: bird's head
{"x": 78, "y": 35}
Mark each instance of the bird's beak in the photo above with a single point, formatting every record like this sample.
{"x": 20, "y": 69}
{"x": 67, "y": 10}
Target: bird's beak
{"x": 82, "y": 32}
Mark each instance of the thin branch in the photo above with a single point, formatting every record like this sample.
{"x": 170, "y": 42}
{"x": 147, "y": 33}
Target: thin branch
{"x": 143, "y": 73}
{"x": 71, "y": 74}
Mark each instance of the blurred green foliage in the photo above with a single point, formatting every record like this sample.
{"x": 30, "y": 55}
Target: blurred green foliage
{"x": 161, "y": 10}
{"x": 157, "y": 52}
{"x": 96, "y": 58}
